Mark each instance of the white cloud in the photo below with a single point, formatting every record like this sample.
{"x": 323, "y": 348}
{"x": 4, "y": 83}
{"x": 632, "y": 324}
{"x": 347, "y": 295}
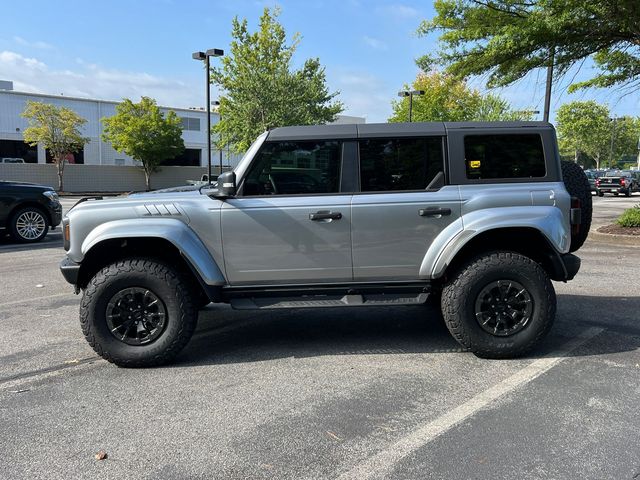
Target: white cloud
{"x": 399, "y": 12}
{"x": 37, "y": 44}
{"x": 363, "y": 95}
{"x": 375, "y": 43}
{"x": 94, "y": 81}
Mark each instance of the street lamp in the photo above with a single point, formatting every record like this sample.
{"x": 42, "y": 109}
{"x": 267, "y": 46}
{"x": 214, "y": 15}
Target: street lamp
{"x": 217, "y": 104}
{"x": 212, "y": 52}
{"x": 410, "y": 94}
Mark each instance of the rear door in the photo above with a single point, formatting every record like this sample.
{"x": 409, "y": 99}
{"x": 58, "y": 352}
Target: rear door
{"x": 403, "y": 204}
{"x": 290, "y": 223}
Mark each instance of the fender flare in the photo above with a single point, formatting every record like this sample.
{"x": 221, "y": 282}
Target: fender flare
{"x": 170, "y": 229}
{"x": 548, "y": 220}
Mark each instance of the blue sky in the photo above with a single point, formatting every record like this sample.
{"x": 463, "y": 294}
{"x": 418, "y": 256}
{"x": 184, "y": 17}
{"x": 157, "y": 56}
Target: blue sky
{"x": 115, "y": 49}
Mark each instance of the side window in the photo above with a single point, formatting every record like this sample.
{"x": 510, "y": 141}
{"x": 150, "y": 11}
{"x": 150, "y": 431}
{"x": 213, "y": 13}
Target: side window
{"x": 504, "y": 156}
{"x": 388, "y": 164}
{"x": 294, "y": 168}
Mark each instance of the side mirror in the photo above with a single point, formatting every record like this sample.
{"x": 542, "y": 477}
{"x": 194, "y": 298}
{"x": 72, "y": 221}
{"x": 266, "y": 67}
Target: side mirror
{"x": 226, "y": 185}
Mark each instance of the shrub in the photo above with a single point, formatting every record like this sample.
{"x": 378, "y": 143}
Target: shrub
{"x": 630, "y": 217}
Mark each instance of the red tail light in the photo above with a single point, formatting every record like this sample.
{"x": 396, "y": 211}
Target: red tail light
{"x": 597, "y": 182}
{"x": 623, "y": 182}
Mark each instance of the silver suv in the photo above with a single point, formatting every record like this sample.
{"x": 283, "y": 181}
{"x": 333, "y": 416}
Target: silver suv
{"x": 478, "y": 216}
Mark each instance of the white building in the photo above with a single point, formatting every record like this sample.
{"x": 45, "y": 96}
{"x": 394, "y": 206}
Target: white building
{"x": 98, "y": 152}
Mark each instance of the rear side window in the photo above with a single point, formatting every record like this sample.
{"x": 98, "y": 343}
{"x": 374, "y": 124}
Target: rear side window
{"x": 388, "y": 164}
{"x": 295, "y": 168}
{"x": 504, "y": 156}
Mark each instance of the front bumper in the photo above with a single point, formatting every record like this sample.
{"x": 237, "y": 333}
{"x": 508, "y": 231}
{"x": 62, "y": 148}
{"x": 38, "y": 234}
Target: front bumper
{"x": 55, "y": 212}
{"x": 70, "y": 270}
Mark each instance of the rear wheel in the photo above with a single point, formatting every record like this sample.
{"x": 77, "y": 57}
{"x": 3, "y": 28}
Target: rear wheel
{"x": 29, "y": 225}
{"x": 499, "y": 305}
{"x": 138, "y": 313}
{"x": 577, "y": 184}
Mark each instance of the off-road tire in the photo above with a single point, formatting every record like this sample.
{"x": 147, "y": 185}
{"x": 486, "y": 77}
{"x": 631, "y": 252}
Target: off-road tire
{"x": 460, "y": 294}
{"x": 13, "y": 226}
{"x": 577, "y": 184}
{"x": 168, "y": 284}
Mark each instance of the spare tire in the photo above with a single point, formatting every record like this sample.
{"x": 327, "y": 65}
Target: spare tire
{"x": 578, "y": 186}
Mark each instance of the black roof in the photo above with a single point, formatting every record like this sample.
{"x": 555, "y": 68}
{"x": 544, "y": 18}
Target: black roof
{"x": 364, "y": 130}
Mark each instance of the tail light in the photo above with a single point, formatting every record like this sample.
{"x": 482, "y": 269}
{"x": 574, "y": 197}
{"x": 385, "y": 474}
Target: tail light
{"x": 597, "y": 182}
{"x": 623, "y": 182}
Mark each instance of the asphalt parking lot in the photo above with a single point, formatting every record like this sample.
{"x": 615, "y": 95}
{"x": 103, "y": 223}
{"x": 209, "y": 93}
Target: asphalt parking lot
{"x": 338, "y": 393}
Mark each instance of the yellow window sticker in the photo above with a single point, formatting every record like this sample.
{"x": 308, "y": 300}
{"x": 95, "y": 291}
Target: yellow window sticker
{"x": 474, "y": 163}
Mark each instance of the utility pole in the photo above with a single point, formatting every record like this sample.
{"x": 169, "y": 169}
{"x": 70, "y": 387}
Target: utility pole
{"x": 547, "y": 93}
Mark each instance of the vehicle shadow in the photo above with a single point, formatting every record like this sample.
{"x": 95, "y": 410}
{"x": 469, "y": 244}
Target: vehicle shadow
{"x": 52, "y": 240}
{"x": 227, "y": 336}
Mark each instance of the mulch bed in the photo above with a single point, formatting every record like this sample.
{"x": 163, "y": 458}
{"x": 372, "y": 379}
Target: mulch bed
{"x": 618, "y": 230}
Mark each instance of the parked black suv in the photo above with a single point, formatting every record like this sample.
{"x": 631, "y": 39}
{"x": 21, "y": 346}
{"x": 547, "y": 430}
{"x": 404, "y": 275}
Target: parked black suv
{"x": 27, "y": 210}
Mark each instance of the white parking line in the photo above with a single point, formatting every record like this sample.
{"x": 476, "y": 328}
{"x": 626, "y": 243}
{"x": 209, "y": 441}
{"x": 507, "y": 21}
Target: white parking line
{"x": 382, "y": 462}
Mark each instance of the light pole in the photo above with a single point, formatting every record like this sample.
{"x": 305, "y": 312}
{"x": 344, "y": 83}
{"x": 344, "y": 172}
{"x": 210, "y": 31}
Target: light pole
{"x": 410, "y": 94}
{"x": 212, "y": 52}
{"x": 217, "y": 104}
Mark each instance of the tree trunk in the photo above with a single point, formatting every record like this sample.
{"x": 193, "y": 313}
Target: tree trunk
{"x": 147, "y": 179}
{"x": 598, "y": 162}
{"x": 60, "y": 166}
{"x": 575, "y": 157}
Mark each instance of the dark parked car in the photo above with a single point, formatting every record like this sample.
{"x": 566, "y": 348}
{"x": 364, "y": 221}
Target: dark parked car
{"x": 27, "y": 210}
{"x": 616, "y": 182}
{"x": 592, "y": 177}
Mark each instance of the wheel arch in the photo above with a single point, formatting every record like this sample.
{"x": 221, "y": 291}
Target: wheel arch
{"x": 527, "y": 241}
{"x": 110, "y": 250}
{"x": 28, "y": 203}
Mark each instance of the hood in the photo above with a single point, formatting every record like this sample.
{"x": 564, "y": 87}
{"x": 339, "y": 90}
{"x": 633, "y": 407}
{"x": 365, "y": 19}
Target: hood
{"x": 32, "y": 186}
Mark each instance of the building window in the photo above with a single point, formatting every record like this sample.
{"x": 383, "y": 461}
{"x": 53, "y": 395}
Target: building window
{"x": 70, "y": 158}
{"x": 18, "y": 149}
{"x": 119, "y": 162}
{"x": 190, "y": 123}
{"x": 189, "y": 158}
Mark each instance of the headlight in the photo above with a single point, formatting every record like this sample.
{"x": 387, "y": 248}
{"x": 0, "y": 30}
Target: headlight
{"x": 51, "y": 195}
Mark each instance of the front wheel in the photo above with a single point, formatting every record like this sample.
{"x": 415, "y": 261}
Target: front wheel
{"x": 138, "y": 313}
{"x": 499, "y": 305}
{"x": 29, "y": 225}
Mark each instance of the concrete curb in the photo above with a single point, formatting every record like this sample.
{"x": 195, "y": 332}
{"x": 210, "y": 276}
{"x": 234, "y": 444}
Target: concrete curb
{"x": 594, "y": 235}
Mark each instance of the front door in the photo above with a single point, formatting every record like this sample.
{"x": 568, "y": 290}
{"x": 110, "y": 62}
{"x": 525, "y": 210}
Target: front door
{"x": 403, "y": 205}
{"x": 289, "y": 224}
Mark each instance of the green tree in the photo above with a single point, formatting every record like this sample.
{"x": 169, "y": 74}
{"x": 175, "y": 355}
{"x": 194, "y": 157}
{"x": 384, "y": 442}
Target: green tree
{"x": 261, "y": 91}
{"x": 625, "y": 132}
{"x": 449, "y": 99}
{"x": 141, "y": 131}
{"x": 508, "y": 38}
{"x": 584, "y": 127}
{"x": 57, "y": 129}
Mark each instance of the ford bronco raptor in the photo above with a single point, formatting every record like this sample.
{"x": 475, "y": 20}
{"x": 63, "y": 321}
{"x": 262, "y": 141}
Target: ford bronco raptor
{"x": 478, "y": 216}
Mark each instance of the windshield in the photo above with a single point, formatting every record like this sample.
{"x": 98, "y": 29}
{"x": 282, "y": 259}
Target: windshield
{"x": 252, "y": 149}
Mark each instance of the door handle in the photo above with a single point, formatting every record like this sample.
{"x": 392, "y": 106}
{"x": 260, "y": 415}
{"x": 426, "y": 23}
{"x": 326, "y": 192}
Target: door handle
{"x": 325, "y": 215}
{"x": 434, "y": 212}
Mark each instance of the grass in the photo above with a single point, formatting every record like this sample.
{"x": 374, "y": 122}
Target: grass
{"x": 630, "y": 217}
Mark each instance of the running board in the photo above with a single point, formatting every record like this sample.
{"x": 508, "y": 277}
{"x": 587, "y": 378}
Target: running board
{"x": 324, "y": 301}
